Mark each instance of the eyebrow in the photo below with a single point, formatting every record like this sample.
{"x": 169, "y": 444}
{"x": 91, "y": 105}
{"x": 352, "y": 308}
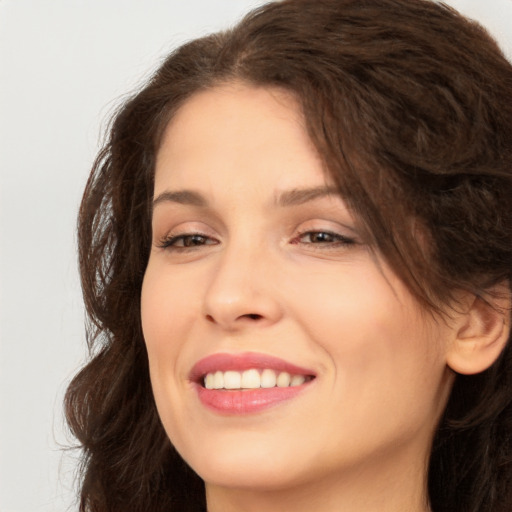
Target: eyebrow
{"x": 304, "y": 195}
{"x": 181, "y": 197}
{"x": 287, "y": 198}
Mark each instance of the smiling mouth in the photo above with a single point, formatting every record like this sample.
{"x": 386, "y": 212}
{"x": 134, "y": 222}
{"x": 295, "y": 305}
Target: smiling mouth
{"x": 247, "y": 383}
{"x": 252, "y": 378}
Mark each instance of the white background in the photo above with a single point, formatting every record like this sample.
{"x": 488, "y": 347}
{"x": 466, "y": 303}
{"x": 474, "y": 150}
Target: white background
{"x": 64, "y": 66}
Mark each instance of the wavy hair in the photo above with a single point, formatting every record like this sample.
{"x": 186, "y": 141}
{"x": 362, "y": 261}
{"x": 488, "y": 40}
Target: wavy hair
{"x": 409, "y": 105}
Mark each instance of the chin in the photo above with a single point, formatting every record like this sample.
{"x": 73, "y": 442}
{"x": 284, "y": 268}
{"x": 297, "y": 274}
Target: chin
{"x": 257, "y": 468}
{"x": 249, "y": 476}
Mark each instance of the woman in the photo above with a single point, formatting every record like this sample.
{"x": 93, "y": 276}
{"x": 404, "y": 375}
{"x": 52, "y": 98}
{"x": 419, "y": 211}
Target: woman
{"x": 296, "y": 259}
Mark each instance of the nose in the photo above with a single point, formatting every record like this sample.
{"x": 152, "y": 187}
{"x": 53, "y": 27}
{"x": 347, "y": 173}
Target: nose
{"x": 243, "y": 290}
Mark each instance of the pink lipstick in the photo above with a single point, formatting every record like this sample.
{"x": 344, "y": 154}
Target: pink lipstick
{"x": 248, "y": 382}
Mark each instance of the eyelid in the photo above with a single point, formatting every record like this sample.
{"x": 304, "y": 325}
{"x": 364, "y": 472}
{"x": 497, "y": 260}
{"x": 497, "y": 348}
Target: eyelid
{"x": 325, "y": 224}
{"x": 340, "y": 234}
{"x": 338, "y": 237}
{"x": 170, "y": 240}
{"x": 166, "y": 236}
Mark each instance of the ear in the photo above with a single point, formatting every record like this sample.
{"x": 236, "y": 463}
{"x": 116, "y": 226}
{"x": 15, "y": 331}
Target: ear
{"x": 481, "y": 331}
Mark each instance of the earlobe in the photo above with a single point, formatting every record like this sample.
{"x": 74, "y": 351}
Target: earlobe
{"x": 481, "y": 332}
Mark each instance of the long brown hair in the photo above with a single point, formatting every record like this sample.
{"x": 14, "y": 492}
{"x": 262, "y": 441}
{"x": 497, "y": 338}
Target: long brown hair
{"x": 410, "y": 106}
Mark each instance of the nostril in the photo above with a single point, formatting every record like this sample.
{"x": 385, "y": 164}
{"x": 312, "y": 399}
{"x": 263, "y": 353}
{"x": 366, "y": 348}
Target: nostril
{"x": 248, "y": 316}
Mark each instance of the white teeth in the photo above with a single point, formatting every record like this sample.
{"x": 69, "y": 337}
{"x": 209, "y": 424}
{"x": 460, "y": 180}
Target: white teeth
{"x": 268, "y": 379}
{"x": 283, "y": 381}
{"x": 251, "y": 379}
{"x": 209, "y": 381}
{"x": 218, "y": 380}
{"x": 232, "y": 380}
{"x": 297, "y": 380}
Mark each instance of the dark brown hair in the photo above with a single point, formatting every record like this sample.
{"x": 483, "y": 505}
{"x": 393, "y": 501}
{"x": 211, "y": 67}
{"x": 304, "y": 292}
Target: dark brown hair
{"x": 410, "y": 107}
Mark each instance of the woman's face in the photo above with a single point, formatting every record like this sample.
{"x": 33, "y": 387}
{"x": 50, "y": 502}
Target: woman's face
{"x": 260, "y": 282}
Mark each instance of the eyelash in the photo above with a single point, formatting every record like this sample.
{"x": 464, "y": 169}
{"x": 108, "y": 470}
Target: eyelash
{"x": 332, "y": 241}
{"x": 171, "y": 241}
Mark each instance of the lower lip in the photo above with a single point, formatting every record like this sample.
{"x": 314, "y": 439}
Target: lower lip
{"x": 246, "y": 401}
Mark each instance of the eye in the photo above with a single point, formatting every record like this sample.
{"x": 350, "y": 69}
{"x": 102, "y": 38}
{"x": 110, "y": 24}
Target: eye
{"x": 323, "y": 238}
{"x": 186, "y": 241}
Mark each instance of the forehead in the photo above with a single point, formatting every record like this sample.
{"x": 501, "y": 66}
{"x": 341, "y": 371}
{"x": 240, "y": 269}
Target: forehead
{"x": 238, "y": 132}
{"x": 239, "y": 106}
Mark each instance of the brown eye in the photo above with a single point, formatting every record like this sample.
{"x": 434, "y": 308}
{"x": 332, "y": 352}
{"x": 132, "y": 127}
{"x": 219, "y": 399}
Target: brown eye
{"x": 323, "y": 237}
{"x": 318, "y": 237}
{"x": 186, "y": 241}
{"x": 192, "y": 240}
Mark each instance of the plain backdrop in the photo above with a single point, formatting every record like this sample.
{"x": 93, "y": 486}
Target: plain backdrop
{"x": 64, "y": 66}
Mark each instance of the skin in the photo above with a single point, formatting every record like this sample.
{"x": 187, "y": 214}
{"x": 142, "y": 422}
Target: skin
{"x": 262, "y": 279}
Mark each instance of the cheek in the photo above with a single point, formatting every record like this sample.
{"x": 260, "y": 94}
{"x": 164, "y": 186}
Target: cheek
{"x": 167, "y": 317}
{"x": 387, "y": 360}
{"x": 166, "y": 306}
{"x": 373, "y": 331}
{"x": 353, "y": 310}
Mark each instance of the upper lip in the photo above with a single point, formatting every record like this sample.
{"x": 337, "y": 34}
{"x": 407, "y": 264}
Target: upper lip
{"x": 244, "y": 361}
